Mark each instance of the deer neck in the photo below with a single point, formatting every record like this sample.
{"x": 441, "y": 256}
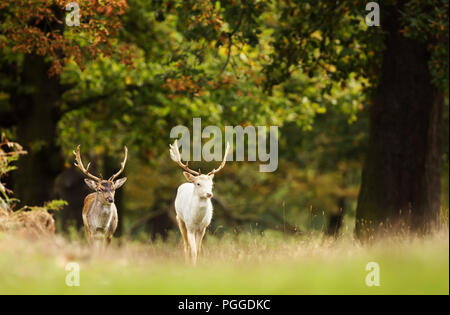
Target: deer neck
{"x": 101, "y": 212}
{"x": 99, "y": 205}
{"x": 201, "y": 204}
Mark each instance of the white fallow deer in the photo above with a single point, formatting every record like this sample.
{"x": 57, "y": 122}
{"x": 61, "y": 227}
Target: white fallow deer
{"x": 193, "y": 203}
{"x": 99, "y": 211}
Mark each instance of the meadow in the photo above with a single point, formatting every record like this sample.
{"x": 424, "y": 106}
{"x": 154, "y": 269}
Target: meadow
{"x": 347, "y": 101}
{"x": 246, "y": 263}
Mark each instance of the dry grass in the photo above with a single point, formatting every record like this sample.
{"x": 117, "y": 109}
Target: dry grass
{"x": 238, "y": 264}
{"x": 27, "y": 224}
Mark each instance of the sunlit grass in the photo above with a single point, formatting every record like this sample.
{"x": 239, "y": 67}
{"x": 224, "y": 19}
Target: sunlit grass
{"x": 233, "y": 264}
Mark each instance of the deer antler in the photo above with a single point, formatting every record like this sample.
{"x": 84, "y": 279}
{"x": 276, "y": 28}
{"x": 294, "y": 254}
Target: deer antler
{"x": 214, "y": 171}
{"x": 78, "y": 163}
{"x": 122, "y": 165}
{"x": 176, "y": 157}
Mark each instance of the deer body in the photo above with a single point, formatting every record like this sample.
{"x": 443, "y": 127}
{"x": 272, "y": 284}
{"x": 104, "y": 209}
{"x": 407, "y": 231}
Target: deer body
{"x": 100, "y": 219}
{"x": 195, "y": 212}
{"x": 193, "y": 204}
{"x": 99, "y": 211}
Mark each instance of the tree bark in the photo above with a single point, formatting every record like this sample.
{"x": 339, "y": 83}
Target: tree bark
{"x": 335, "y": 219}
{"x": 37, "y": 116}
{"x": 400, "y": 188}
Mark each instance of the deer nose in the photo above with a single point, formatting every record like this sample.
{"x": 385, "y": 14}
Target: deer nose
{"x": 110, "y": 199}
{"x": 209, "y": 195}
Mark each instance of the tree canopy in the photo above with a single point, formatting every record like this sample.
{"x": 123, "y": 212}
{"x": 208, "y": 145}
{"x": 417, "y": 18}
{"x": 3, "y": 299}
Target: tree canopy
{"x": 134, "y": 69}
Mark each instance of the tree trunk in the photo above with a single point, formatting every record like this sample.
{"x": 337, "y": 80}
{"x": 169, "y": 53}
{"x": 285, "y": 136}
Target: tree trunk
{"x": 400, "y": 186}
{"x": 335, "y": 219}
{"x": 37, "y": 116}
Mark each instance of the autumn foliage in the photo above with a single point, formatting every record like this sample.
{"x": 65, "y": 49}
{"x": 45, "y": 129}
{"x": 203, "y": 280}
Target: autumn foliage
{"x": 38, "y": 27}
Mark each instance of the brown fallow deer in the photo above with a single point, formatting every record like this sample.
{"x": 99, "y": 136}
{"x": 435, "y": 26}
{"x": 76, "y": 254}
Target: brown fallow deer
{"x": 99, "y": 211}
{"x": 193, "y": 203}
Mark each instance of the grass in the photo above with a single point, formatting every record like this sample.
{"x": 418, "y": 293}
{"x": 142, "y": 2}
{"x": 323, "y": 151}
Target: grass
{"x": 234, "y": 264}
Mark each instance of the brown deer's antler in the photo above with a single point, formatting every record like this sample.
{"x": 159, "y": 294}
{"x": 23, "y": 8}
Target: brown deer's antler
{"x": 176, "y": 157}
{"x": 214, "y": 171}
{"x": 122, "y": 165}
{"x": 78, "y": 163}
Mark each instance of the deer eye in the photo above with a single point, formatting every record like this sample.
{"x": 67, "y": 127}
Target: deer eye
{"x": 198, "y": 184}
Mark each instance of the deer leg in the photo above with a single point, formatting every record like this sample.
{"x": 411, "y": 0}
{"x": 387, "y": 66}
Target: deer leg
{"x": 193, "y": 246}
{"x": 108, "y": 240}
{"x": 183, "y": 230}
{"x": 199, "y": 239}
{"x": 88, "y": 236}
{"x": 99, "y": 240}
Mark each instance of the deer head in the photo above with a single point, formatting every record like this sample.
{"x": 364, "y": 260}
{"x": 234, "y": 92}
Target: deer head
{"x": 104, "y": 188}
{"x": 203, "y": 183}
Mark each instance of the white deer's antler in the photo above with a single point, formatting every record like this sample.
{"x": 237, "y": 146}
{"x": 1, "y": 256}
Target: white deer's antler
{"x": 176, "y": 157}
{"x": 214, "y": 171}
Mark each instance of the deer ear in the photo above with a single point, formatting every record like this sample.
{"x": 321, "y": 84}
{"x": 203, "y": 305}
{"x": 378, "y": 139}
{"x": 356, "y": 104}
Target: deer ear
{"x": 118, "y": 183}
{"x": 189, "y": 177}
{"x": 91, "y": 184}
